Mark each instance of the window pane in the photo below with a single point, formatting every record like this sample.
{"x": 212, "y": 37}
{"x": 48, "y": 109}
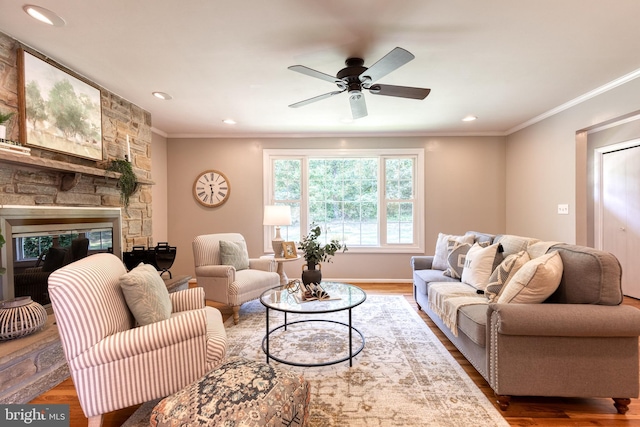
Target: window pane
{"x": 406, "y": 223}
{"x": 369, "y": 234}
{"x": 342, "y": 194}
{"x": 393, "y": 232}
{"x": 400, "y": 223}
{"x": 399, "y": 179}
{"x": 369, "y": 212}
{"x": 291, "y": 233}
{"x": 287, "y": 190}
{"x": 287, "y": 179}
{"x": 369, "y": 190}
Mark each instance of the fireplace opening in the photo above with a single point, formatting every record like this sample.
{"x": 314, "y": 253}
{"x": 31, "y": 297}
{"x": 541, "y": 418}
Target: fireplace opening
{"x": 38, "y": 254}
{"x": 40, "y": 240}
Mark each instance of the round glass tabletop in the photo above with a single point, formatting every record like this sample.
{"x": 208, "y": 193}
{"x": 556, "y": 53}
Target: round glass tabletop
{"x": 342, "y": 296}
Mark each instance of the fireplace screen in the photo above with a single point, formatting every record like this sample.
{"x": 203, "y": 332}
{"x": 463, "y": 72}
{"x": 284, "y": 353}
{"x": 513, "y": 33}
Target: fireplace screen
{"x": 37, "y": 255}
{"x": 42, "y": 239}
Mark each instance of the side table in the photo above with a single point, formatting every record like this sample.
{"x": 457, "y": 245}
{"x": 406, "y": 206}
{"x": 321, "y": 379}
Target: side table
{"x": 283, "y": 276}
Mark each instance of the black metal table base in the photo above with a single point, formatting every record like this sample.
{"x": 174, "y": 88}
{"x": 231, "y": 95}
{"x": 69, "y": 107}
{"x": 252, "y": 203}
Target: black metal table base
{"x": 352, "y": 353}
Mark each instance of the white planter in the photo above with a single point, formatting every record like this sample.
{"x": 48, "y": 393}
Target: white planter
{"x": 3, "y": 132}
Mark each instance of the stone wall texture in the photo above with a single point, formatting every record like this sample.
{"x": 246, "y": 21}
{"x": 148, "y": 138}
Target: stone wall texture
{"x": 27, "y": 185}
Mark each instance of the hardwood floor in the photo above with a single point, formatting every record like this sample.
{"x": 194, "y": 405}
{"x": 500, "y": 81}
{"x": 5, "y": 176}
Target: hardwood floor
{"x": 523, "y": 411}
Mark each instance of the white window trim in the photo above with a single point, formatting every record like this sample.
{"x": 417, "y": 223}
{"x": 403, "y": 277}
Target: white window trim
{"x": 419, "y": 225}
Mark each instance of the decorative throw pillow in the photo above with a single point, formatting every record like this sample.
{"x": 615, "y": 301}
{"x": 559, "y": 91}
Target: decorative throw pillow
{"x": 478, "y": 265}
{"x": 234, "y": 254}
{"x": 457, "y": 254}
{"x": 535, "y": 281}
{"x": 440, "y": 257}
{"x": 503, "y": 273}
{"x": 146, "y": 294}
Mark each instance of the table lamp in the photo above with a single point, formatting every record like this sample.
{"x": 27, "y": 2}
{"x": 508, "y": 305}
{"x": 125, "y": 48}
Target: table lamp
{"x": 277, "y": 215}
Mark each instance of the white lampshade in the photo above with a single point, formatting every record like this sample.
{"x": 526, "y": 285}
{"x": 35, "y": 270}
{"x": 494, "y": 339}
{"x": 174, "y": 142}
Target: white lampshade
{"x": 277, "y": 215}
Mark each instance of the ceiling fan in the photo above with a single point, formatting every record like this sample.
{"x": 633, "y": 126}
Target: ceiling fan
{"x": 355, "y": 77}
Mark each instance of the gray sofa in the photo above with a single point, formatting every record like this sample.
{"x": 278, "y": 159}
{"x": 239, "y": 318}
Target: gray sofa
{"x": 580, "y": 342}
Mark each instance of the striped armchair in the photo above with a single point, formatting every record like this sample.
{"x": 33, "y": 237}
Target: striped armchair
{"x": 115, "y": 365}
{"x": 226, "y": 284}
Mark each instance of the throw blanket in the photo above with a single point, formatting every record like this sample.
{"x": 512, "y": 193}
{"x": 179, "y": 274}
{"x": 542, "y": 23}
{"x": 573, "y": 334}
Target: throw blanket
{"x": 446, "y": 298}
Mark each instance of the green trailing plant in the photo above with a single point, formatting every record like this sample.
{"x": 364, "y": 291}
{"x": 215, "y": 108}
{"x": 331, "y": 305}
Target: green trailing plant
{"x": 4, "y": 118}
{"x": 314, "y": 252}
{"x": 128, "y": 182}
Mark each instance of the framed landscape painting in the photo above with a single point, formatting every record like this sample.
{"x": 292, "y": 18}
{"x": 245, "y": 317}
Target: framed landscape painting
{"x": 58, "y": 111}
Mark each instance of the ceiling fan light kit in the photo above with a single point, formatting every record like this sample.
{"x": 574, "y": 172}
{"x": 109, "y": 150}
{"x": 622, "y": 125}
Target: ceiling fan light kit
{"x": 355, "y": 78}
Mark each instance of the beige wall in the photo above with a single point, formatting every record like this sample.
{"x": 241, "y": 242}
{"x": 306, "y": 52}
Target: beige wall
{"x": 464, "y": 188}
{"x": 545, "y": 167}
{"x": 160, "y": 229}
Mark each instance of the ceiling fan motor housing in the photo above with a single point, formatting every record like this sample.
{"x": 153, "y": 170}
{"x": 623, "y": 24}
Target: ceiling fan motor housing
{"x": 351, "y": 74}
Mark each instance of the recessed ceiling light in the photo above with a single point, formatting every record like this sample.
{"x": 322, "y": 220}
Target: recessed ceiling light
{"x": 43, "y": 15}
{"x": 229, "y": 121}
{"x": 162, "y": 95}
{"x": 469, "y": 119}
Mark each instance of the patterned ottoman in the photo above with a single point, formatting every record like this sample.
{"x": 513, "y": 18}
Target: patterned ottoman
{"x": 238, "y": 393}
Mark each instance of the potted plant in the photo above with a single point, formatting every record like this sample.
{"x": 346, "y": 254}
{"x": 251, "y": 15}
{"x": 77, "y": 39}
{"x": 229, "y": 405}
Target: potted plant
{"x": 4, "y": 118}
{"x": 315, "y": 253}
{"x": 128, "y": 182}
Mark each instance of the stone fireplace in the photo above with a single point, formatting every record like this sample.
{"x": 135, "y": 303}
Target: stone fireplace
{"x": 70, "y": 194}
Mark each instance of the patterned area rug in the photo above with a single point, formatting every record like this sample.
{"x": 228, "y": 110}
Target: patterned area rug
{"x": 403, "y": 377}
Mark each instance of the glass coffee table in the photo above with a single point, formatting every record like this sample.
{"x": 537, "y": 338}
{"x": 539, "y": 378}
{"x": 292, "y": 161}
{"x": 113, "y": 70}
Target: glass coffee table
{"x": 344, "y": 297}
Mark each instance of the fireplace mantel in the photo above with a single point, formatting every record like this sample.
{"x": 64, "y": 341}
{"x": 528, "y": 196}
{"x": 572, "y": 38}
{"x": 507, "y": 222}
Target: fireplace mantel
{"x": 72, "y": 172}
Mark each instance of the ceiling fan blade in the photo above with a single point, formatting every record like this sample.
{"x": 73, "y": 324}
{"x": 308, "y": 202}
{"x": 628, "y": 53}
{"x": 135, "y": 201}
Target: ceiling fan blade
{"x": 391, "y": 61}
{"x": 313, "y": 73}
{"x": 358, "y": 105}
{"x": 315, "y": 99}
{"x": 399, "y": 91}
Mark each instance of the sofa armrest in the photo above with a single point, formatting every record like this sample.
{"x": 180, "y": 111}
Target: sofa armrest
{"x": 225, "y": 271}
{"x": 144, "y": 339}
{"x": 565, "y": 320}
{"x": 422, "y": 262}
{"x": 264, "y": 264}
{"x": 187, "y": 299}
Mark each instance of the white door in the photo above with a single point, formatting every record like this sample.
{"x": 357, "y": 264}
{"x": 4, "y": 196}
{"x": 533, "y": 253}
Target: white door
{"x": 621, "y": 213}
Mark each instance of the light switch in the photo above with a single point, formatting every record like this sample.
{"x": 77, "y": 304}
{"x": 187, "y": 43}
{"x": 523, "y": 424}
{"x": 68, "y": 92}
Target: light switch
{"x": 563, "y": 209}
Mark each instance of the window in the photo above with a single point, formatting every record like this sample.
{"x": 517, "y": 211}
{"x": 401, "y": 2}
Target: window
{"x": 370, "y": 199}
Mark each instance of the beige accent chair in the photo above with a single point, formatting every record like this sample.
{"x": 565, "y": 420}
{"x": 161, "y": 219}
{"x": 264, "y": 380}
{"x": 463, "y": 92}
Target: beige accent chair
{"x": 225, "y": 284}
{"x": 116, "y": 365}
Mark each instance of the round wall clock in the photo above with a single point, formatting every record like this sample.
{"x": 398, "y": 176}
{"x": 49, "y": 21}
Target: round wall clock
{"x": 211, "y": 188}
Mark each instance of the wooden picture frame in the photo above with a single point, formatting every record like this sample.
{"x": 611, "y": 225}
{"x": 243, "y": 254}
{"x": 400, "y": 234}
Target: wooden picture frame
{"x": 289, "y": 250}
{"x": 58, "y": 110}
